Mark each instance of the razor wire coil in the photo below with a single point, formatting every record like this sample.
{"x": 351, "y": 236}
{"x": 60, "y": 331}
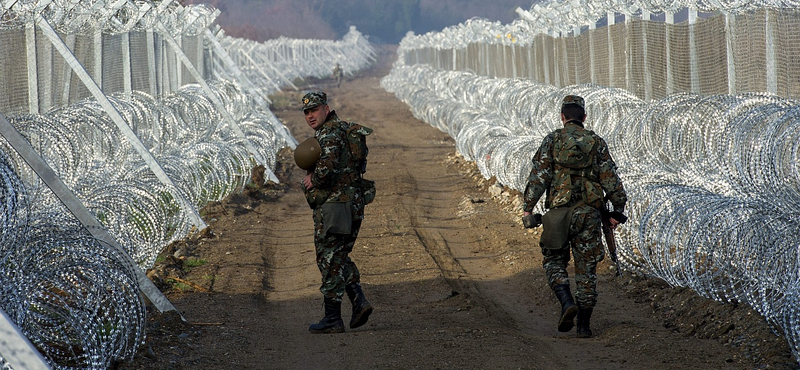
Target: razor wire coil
{"x": 66, "y": 291}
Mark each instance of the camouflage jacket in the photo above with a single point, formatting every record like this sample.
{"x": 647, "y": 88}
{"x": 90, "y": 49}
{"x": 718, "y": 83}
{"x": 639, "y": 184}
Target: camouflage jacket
{"x": 336, "y": 170}
{"x": 565, "y": 187}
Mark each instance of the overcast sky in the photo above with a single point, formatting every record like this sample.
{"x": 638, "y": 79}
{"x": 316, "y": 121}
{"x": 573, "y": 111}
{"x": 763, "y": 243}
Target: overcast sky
{"x": 385, "y": 21}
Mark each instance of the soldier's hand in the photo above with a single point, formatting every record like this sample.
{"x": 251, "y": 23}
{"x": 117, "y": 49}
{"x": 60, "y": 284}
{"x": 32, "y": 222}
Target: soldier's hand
{"x": 531, "y": 220}
{"x": 307, "y": 182}
{"x": 616, "y": 218}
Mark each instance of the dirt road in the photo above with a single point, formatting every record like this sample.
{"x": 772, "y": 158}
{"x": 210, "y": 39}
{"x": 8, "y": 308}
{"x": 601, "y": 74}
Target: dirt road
{"x": 455, "y": 280}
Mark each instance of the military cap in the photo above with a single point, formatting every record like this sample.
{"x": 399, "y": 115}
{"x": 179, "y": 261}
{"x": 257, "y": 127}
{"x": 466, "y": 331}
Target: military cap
{"x": 573, "y": 99}
{"x": 313, "y": 99}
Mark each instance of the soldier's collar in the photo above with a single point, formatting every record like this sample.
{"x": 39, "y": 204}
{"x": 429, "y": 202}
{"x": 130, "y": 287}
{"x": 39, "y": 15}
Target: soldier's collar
{"x": 330, "y": 120}
{"x": 574, "y": 122}
{"x": 332, "y": 116}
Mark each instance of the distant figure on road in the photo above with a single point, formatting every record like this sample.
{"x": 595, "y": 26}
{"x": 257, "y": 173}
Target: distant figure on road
{"x": 337, "y": 74}
{"x": 337, "y": 192}
{"x": 574, "y": 167}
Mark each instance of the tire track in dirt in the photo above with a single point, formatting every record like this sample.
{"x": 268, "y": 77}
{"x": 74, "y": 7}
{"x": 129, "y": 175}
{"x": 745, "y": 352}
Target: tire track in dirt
{"x": 447, "y": 233}
{"x": 433, "y": 214}
{"x": 432, "y": 202}
{"x": 284, "y": 243}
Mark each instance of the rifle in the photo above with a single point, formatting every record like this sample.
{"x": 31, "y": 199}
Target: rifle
{"x": 611, "y": 242}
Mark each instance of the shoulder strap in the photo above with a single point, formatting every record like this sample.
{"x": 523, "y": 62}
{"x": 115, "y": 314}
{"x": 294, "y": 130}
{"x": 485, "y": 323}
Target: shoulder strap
{"x": 357, "y": 142}
{"x": 358, "y": 129}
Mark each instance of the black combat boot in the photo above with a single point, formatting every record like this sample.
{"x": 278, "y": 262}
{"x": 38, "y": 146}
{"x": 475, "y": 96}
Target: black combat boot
{"x": 361, "y": 307}
{"x": 584, "y": 314}
{"x": 332, "y": 322}
{"x": 568, "y": 307}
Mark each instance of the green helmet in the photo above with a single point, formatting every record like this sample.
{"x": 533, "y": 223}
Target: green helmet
{"x": 307, "y": 153}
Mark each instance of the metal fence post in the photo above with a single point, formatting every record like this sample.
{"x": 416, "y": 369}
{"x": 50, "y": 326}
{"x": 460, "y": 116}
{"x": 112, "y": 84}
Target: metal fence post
{"x": 693, "y": 68}
{"x": 97, "y": 40}
{"x": 648, "y": 81}
{"x": 772, "y": 76}
{"x": 151, "y": 62}
{"x": 592, "y": 63}
{"x": 17, "y": 350}
{"x": 33, "y": 73}
{"x": 730, "y": 44}
{"x": 127, "y": 84}
{"x": 669, "y": 19}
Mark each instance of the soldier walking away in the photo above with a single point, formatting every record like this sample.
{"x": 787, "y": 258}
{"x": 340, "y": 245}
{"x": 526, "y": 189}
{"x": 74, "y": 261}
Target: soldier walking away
{"x": 337, "y": 193}
{"x": 337, "y": 74}
{"x": 574, "y": 167}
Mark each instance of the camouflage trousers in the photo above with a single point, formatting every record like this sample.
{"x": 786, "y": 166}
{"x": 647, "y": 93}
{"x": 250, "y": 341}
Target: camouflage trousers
{"x": 585, "y": 233}
{"x": 333, "y": 259}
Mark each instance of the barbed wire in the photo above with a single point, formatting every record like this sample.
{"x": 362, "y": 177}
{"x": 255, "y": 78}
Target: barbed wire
{"x": 713, "y": 181}
{"x": 111, "y": 17}
{"x": 186, "y": 134}
{"x": 277, "y": 62}
{"x": 71, "y": 296}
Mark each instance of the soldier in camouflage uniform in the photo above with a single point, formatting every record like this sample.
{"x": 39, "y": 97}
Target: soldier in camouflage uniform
{"x": 584, "y": 191}
{"x": 338, "y": 212}
{"x": 337, "y": 74}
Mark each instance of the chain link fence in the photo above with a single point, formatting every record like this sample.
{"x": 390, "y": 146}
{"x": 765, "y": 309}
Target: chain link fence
{"x": 717, "y": 54}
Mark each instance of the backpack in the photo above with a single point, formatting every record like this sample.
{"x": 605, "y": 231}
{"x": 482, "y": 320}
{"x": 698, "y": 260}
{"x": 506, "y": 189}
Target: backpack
{"x": 357, "y": 141}
{"x": 575, "y": 148}
{"x": 574, "y": 152}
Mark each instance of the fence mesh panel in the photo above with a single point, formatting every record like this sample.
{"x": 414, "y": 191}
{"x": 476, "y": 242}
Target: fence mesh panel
{"x": 13, "y": 67}
{"x": 650, "y": 58}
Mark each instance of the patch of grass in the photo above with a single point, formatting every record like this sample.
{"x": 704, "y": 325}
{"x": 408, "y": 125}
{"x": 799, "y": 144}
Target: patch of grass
{"x": 192, "y": 262}
{"x": 195, "y": 262}
{"x": 281, "y": 101}
{"x": 180, "y": 286}
{"x": 101, "y": 216}
{"x": 108, "y": 329}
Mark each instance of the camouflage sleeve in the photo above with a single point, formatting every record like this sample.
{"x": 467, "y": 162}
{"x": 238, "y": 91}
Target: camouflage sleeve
{"x": 609, "y": 180}
{"x": 541, "y": 174}
{"x": 325, "y": 173}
